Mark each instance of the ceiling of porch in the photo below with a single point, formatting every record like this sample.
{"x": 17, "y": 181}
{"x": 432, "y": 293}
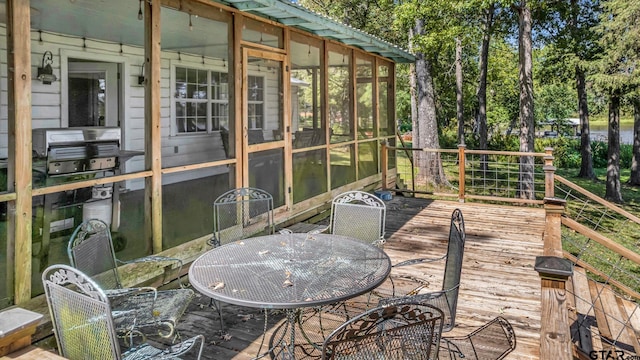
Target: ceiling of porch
{"x": 117, "y": 21}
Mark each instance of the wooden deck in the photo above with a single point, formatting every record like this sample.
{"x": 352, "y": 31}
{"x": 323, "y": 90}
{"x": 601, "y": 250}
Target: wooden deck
{"x": 498, "y": 278}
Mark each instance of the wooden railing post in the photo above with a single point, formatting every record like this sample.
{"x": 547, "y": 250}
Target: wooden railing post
{"x": 384, "y": 161}
{"x": 554, "y": 270}
{"x": 461, "y": 175}
{"x": 549, "y": 171}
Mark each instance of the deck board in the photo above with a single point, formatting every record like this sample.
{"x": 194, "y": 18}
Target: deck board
{"x": 498, "y": 278}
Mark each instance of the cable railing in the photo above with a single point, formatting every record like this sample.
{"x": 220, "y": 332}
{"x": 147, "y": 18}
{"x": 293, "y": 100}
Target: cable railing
{"x": 602, "y": 241}
{"x": 498, "y": 176}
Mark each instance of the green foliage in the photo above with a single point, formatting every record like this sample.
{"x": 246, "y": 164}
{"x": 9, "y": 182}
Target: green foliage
{"x": 616, "y": 66}
{"x": 555, "y": 102}
{"x": 502, "y": 86}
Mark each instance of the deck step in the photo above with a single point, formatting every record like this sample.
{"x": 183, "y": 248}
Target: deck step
{"x": 602, "y": 320}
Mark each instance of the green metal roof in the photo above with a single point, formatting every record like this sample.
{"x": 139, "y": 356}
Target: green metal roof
{"x": 294, "y": 15}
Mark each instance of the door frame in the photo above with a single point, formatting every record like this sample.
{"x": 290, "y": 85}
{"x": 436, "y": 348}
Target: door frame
{"x": 285, "y": 142}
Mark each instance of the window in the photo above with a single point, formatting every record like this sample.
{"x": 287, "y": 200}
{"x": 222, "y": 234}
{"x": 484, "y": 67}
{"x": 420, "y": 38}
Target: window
{"x": 255, "y": 101}
{"x": 201, "y": 100}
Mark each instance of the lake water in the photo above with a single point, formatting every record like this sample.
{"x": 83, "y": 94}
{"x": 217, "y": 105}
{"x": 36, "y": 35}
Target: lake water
{"x": 599, "y": 133}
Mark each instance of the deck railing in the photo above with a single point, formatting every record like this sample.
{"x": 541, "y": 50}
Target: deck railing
{"x": 483, "y": 175}
{"x": 599, "y": 238}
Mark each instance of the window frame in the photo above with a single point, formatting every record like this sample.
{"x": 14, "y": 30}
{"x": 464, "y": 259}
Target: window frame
{"x": 209, "y": 101}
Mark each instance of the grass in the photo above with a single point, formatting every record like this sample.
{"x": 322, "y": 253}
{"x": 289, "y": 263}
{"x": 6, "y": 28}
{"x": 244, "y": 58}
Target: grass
{"x": 602, "y": 120}
{"x": 630, "y": 194}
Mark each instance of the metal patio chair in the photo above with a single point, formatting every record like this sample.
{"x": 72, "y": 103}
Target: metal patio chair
{"x": 412, "y": 331}
{"x": 83, "y": 322}
{"x": 445, "y": 299}
{"x": 394, "y": 332}
{"x": 359, "y": 215}
{"x": 241, "y": 213}
{"x": 142, "y": 310}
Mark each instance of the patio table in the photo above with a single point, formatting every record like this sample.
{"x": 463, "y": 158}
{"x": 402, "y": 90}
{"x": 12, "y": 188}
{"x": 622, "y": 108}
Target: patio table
{"x": 290, "y": 272}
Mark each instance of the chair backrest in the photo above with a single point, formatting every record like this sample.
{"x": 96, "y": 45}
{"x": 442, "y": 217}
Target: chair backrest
{"x": 453, "y": 266}
{"x": 91, "y": 251}
{"x": 81, "y": 315}
{"x": 359, "y": 215}
{"x": 240, "y": 213}
{"x": 401, "y": 331}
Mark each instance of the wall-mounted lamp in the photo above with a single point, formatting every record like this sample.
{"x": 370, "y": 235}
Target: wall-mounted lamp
{"x": 141, "y": 76}
{"x": 45, "y": 73}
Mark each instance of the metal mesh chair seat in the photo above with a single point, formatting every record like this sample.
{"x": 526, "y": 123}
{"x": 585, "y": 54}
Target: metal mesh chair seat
{"x": 151, "y": 316}
{"x": 494, "y": 340}
{"x": 403, "y": 331}
{"x": 143, "y": 310}
{"x": 83, "y": 320}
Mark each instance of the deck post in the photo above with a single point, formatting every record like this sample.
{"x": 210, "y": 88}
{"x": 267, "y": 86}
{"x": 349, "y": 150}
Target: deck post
{"x": 461, "y": 175}
{"x": 549, "y": 171}
{"x": 554, "y": 270}
{"x": 384, "y": 161}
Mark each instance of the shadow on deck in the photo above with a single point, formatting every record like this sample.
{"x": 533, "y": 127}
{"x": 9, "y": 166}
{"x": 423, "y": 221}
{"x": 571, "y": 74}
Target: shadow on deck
{"x": 498, "y": 278}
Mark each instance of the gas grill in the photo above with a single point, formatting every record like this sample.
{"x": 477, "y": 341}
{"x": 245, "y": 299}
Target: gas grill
{"x": 77, "y": 150}
{"x": 60, "y": 152}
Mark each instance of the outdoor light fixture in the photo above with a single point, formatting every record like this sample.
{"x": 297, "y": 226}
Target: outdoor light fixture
{"x": 45, "y": 73}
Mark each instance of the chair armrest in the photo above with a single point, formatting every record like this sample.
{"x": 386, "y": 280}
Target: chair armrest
{"x": 176, "y": 263}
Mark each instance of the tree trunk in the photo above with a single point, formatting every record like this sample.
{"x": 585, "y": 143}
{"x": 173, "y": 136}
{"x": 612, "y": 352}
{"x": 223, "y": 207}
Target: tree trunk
{"x": 634, "y": 179}
{"x": 459, "y": 84}
{"x": 482, "y": 85}
{"x": 613, "y": 162}
{"x": 586, "y": 166}
{"x": 526, "y": 190}
{"x": 429, "y": 164}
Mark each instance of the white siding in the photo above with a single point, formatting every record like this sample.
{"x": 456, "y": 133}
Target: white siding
{"x": 46, "y": 99}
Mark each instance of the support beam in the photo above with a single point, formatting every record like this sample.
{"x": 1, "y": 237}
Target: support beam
{"x": 19, "y": 167}
{"x": 153, "y": 184}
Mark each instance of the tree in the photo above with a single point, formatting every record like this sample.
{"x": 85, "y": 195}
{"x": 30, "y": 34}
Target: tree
{"x": 483, "y": 62}
{"x": 432, "y": 33}
{"x": 634, "y": 178}
{"x": 613, "y": 192}
{"x": 459, "y": 91}
{"x": 622, "y": 41}
{"x": 525, "y": 49}
{"x": 573, "y": 44}
{"x": 615, "y": 72}
{"x": 425, "y": 122}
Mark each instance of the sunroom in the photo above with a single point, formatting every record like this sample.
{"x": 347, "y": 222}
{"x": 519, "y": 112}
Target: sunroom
{"x": 142, "y": 112}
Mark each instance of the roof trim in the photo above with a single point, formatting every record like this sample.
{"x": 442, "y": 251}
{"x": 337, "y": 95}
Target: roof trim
{"x": 294, "y": 15}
